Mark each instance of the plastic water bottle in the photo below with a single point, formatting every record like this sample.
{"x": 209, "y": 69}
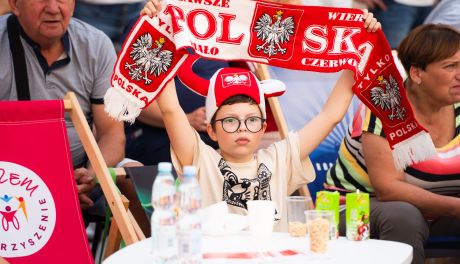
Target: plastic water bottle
{"x": 164, "y": 218}
{"x": 189, "y": 223}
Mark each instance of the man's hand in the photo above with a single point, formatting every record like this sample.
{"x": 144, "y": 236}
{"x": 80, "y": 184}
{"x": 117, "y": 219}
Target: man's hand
{"x": 197, "y": 119}
{"x": 372, "y": 4}
{"x": 85, "y": 183}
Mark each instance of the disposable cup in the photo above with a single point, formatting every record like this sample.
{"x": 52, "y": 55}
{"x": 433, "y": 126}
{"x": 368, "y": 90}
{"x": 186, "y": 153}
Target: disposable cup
{"x": 318, "y": 225}
{"x": 261, "y": 214}
{"x": 296, "y": 206}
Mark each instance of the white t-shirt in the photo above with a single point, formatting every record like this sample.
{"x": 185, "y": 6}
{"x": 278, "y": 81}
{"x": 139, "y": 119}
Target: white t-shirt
{"x": 273, "y": 174}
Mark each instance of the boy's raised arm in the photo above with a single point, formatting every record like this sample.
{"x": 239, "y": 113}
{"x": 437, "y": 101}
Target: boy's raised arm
{"x": 180, "y": 133}
{"x": 315, "y": 131}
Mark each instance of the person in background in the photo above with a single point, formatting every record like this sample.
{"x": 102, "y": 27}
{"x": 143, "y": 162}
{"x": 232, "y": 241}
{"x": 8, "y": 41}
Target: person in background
{"x": 110, "y": 16}
{"x": 446, "y": 12}
{"x": 398, "y": 17}
{"x": 408, "y": 206}
{"x": 63, "y": 55}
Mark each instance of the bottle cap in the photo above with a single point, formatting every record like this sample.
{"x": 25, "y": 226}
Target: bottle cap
{"x": 189, "y": 171}
{"x": 165, "y": 166}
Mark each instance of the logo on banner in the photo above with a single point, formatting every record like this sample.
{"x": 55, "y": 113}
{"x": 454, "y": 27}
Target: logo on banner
{"x": 148, "y": 58}
{"x": 388, "y": 97}
{"x": 144, "y": 62}
{"x": 235, "y": 79}
{"x": 272, "y": 32}
{"x": 27, "y": 211}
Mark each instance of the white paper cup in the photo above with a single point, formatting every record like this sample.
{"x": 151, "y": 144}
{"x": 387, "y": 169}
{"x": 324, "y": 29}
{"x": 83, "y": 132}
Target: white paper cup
{"x": 212, "y": 216}
{"x": 261, "y": 214}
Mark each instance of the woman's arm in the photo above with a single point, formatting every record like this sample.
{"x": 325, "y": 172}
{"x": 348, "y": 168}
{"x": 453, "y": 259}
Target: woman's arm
{"x": 390, "y": 185}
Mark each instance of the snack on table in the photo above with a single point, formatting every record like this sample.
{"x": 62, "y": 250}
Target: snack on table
{"x": 318, "y": 231}
{"x": 297, "y": 229}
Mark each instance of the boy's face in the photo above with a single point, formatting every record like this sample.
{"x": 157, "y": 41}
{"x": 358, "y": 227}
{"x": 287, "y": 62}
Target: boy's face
{"x": 240, "y": 145}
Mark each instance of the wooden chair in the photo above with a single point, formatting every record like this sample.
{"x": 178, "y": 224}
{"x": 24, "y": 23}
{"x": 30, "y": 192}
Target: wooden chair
{"x": 125, "y": 226}
{"x": 39, "y": 207}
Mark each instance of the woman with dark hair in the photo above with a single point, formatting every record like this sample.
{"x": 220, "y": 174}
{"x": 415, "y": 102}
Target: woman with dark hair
{"x": 409, "y": 206}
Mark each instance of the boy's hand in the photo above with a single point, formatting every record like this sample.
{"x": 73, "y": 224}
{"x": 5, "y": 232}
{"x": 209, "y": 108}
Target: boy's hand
{"x": 370, "y": 22}
{"x": 151, "y": 8}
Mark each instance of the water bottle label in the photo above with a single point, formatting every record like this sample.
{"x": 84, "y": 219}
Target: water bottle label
{"x": 189, "y": 243}
{"x": 164, "y": 241}
{"x": 164, "y": 194}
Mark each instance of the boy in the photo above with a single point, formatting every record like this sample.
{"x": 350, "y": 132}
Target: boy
{"x": 235, "y": 112}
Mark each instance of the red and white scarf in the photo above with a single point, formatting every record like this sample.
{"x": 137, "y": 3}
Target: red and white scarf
{"x": 321, "y": 39}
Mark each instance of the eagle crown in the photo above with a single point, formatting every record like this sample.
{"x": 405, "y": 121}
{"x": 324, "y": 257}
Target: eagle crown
{"x": 279, "y": 13}
{"x": 160, "y": 42}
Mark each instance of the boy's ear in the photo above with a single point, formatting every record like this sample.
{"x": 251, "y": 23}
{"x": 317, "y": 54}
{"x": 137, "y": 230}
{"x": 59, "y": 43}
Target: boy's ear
{"x": 211, "y": 132}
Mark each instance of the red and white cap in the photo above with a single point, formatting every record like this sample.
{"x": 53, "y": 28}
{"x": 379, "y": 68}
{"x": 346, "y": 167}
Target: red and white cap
{"x": 227, "y": 82}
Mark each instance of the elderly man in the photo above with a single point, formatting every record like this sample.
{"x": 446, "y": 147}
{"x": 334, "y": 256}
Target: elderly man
{"x": 61, "y": 54}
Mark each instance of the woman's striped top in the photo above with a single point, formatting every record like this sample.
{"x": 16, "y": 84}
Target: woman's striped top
{"x": 440, "y": 175}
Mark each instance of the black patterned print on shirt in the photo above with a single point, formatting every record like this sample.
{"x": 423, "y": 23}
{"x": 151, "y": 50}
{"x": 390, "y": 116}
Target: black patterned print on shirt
{"x": 237, "y": 191}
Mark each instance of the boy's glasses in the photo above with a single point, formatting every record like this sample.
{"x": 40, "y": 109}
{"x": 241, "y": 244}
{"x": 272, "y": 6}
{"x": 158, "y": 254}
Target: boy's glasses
{"x": 231, "y": 124}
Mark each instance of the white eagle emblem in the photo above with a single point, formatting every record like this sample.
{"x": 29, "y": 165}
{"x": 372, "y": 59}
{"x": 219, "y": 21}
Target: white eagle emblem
{"x": 236, "y": 79}
{"x": 390, "y": 98}
{"x": 274, "y": 33}
{"x": 148, "y": 60}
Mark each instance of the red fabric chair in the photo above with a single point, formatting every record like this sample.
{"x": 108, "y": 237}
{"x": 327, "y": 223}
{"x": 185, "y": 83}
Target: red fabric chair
{"x": 40, "y": 214}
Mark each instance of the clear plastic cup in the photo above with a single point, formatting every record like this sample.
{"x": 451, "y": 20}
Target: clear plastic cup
{"x": 318, "y": 224}
{"x": 296, "y": 206}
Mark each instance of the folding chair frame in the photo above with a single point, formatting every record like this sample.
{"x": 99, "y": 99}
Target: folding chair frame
{"x": 123, "y": 218}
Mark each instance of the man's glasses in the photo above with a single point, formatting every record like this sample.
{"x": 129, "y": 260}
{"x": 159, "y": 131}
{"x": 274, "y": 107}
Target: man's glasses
{"x": 231, "y": 124}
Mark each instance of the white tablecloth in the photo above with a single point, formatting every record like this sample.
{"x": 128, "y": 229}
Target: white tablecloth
{"x": 340, "y": 251}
